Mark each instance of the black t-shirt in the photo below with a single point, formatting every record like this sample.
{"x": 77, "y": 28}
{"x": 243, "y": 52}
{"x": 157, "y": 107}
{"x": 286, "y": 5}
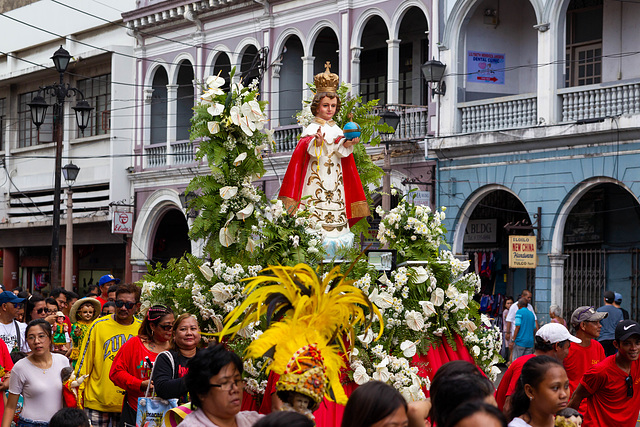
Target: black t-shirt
{"x": 169, "y": 383}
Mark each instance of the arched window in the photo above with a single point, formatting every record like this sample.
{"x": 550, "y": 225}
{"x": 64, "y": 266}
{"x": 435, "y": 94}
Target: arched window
{"x": 185, "y": 101}
{"x": 159, "y": 107}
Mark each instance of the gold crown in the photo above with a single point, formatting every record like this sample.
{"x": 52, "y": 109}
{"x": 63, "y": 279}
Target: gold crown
{"x": 327, "y": 81}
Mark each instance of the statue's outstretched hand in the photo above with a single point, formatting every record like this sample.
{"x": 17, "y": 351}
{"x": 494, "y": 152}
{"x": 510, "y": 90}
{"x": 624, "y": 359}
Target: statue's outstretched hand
{"x": 319, "y": 138}
{"x": 349, "y": 142}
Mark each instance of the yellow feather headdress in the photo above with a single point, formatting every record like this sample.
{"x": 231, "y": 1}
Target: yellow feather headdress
{"x": 310, "y": 321}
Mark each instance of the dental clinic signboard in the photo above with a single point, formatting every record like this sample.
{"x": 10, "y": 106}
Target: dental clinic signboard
{"x": 522, "y": 252}
{"x": 485, "y": 67}
{"x": 122, "y": 222}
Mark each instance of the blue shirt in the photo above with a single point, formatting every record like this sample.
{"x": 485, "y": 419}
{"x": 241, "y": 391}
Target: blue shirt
{"x": 609, "y": 323}
{"x": 527, "y": 322}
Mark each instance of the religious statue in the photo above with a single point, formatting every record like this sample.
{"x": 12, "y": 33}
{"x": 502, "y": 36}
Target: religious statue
{"x": 322, "y": 171}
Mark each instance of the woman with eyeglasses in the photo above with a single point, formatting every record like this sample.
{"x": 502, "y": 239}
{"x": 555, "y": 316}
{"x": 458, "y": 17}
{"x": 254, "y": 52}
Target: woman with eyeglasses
{"x": 171, "y": 366}
{"x": 215, "y": 385}
{"x": 37, "y": 379}
{"x": 131, "y": 368}
{"x": 542, "y": 391}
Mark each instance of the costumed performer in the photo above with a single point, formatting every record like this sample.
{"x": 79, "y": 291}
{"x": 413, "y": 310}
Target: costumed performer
{"x": 309, "y": 331}
{"x": 322, "y": 170}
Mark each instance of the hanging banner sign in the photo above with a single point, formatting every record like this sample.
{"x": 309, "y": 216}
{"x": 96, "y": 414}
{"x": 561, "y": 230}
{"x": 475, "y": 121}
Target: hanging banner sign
{"x": 481, "y": 231}
{"x": 122, "y": 223}
{"x": 522, "y": 252}
{"x": 422, "y": 198}
{"x": 485, "y": 67}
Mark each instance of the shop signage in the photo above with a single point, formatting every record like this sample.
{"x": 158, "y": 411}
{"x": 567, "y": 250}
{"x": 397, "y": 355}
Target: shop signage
{"x": 122, "y": 223}
{"x": 422, "y": 198}
{"x": 522, "y": 252}
{"x": 485, "y": 67}
{"x": 481, "y": 231}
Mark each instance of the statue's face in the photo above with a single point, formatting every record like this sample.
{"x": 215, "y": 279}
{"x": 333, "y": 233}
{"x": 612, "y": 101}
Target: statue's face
{"x": 300, "y": 402}
{"x": 327, "y": 108}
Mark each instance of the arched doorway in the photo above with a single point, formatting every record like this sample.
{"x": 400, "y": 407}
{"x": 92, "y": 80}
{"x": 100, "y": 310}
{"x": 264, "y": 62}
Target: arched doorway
{"x": 497, "y": 215}
{"x": 171, "y": 238}
{"x": 222, "y": 68}
{"x": 601, "y": 242}
{"x": 373, "y": 61}
{"x": 159, "y": 107}
{"x": 185, "y": 100}
{"x": 290, "y": 95}
{"x": 414, "y": 51}
{"x": 325, "y": 49}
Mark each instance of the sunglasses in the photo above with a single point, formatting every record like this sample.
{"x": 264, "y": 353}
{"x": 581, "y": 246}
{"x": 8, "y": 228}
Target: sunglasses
{"x": 128, "y": 305}
{"x": 165, "y": 328}
{"x": 629, "y": 382}
{"x": 41, "y": 310}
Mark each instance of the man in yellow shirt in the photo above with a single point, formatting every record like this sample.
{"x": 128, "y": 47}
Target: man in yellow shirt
{"x": 102, "y": 399}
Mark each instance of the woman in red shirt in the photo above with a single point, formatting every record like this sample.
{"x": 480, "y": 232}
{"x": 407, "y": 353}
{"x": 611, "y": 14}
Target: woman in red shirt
{"x": 131, "y": 368}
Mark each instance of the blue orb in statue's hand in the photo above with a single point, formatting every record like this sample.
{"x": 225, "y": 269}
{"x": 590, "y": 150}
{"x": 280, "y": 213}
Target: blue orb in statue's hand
{"x": 352, "y": 130}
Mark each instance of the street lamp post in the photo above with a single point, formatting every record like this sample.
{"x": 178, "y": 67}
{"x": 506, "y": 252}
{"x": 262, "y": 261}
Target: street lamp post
{"x": 38, "y": 106}
{"x": 391, "y": 119}
{"x": 70, "y": 173}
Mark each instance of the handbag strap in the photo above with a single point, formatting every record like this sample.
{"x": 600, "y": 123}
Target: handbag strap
{"x": 153, "y": 367}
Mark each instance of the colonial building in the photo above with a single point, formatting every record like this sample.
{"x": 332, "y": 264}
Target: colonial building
{"x": 102, "y": 68}
{"x": 376, "y": 46}
{"x": 537, "y": 133}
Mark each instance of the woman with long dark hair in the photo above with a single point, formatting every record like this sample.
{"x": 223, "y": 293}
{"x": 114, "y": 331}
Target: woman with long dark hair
{"x": 37, "y": 379}
{"x": 131, "y": 368}
{"x": 542, "y": 391}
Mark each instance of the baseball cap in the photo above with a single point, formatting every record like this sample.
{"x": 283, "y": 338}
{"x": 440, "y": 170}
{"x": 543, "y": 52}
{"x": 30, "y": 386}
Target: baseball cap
{"x": 586, "y": 314}
{"x": 626, "y": 328}
{"x": 609, "y": 296}
{"x": 107, "y": 278}
{"x": 8, "y": 296}
{"x": 555, "y": 332}
{"x": 618, "y": 297}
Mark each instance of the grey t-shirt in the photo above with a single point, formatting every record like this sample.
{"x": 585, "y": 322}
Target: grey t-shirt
{"x": 41, "y": 390}
{"x": 8, "y": 335}
{"x": 608, "y": 331}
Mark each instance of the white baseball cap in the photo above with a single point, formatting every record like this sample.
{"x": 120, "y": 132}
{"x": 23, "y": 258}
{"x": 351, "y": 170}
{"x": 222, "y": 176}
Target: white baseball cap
{"x": 555, "y": 332}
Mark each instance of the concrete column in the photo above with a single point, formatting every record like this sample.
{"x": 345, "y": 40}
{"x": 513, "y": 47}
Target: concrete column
{"x": 393, "y": 70}
{"x": 355, "y": 69}
{"x": 10, "y": 268}
{"x": 345, "y": 41}
{"x": 548, "y": 76}
{"x": 557, "y": 278}
{"x": 172, "y": 116}
{"x": 307, "y": 75}
{"x": 274, "y": 105}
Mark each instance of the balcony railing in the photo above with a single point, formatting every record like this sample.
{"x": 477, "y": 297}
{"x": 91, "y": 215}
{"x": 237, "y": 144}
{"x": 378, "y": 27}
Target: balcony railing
{"x": 597, "y": 101}
{"x": 156, "y": 155}
{"x": 413, "y": 125}
{"x": 183, "y": 152}
{"x": 499, "y": 113}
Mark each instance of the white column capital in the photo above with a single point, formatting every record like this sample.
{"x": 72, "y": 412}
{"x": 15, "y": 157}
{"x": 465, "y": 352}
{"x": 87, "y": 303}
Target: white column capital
{"x": 355, "y": 53}
{"x": 275, "y": 67}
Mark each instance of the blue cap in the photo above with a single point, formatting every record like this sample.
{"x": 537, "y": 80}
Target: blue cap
{"x": 618, "y": 298}
{"x": 108, "y": 278}
{"x": 8, "y": 296}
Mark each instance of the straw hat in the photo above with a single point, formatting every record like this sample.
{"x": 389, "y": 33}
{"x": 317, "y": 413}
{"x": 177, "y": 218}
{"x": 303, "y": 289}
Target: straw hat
{"x": 97, "y": 308}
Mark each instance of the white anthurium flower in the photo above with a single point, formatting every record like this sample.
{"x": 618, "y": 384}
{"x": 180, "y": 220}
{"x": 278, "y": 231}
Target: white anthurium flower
{"x": 246, "y": 212}
{"x": 206, "y": 272}
{"x": 228, "y": 192}
{"x": 220, "y": 294}
{"x": 355, "y": 352}
{"x": 494, "y": 372}
{"x": 251, "y": 245}
{"x": 367, "y": 337}
{"x": 452, "y": 292}
{"x": 408, "y": 348}
{"x": 486, "y": 320}
{"x": 215, "y": 109}
{"x": 413, "y": 393}
{"x": 384, "y": 279}
{"x": 421, "y": 274}
{"x": 214, "y": 127}
{"x": 237, "y": 87}
{"x": 269, "y": 133}
{"x": 437, "y": 297}
{"x": 462, "y": 301}
{"x": 414, "y": 320}
{"x": 215, "y": 82}
{"x": 428, "y": 308}
{"x": 360, "y": 375}
{"x": 247, "y": 126}
{"x": 259, "y": 149}
{"x": 234, "y": 115}
{"x": 475, "y": 350}
{"x": 382, "y": 300}
{"x": 225, "y": 237}
{"x": 467, "y": 324}
{"x": 238, "y": 160}
{"x": 382, "y": 372}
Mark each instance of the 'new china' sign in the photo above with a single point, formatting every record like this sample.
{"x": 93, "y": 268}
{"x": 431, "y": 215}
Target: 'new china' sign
{"x": 122, "y": 223}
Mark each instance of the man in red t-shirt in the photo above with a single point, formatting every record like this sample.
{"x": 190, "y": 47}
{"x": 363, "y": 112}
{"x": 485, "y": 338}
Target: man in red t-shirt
{"x": 105, "y": 282}
{"x": 612, "y": 387}
{"x": 586, "y": 321}
{"x": 552, "y": 340}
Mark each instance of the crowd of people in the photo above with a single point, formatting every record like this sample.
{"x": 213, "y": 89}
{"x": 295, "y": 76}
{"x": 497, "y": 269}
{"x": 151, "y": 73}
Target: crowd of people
{"x": 112, "y": 357}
